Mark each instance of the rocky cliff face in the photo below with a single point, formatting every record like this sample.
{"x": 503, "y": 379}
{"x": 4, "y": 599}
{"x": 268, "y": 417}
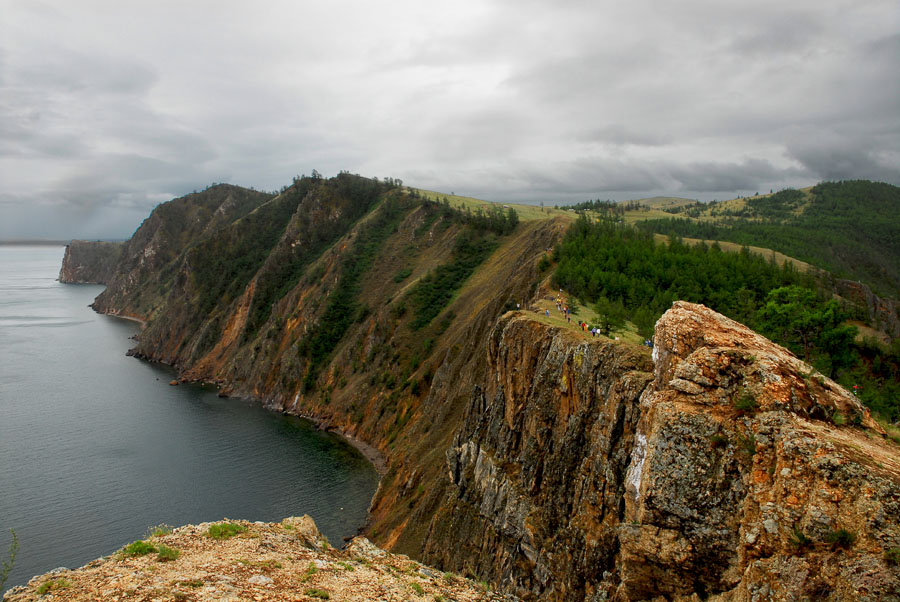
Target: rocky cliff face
{"x": 732, "y": 471}
{"x": 90, "y": 262}
{"x": 558, "y": 466}
{"x": 884, "y": 314}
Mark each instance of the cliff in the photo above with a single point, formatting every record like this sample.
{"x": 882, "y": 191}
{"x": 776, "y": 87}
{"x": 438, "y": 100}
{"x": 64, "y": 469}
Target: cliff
{"x": 732, "y": 470}
{"x": 288, "y": 561}
{"x": 90, "y": 262}
{"x": 882, "y": 313}
{"x": 556, "y": 465}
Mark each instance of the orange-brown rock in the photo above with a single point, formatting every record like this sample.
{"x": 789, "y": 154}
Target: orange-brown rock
{"x": 733, "y": 472}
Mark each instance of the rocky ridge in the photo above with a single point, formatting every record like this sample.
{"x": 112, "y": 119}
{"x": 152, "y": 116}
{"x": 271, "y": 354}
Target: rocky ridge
{"x": 558, "y": 466}
{"x": 732, "y": 471}
{"x": 287, "y": 561}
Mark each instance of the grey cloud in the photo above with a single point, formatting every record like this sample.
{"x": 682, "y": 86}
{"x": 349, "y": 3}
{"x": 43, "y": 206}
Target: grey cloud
{"x": 121, "y": 107}
{"x": 847, "y": 158}
{"x": 619, "y": 134}
{"x": 748, "y": 174}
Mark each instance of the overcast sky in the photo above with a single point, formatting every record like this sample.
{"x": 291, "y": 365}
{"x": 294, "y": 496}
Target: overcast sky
{"x": 110, "y": 107}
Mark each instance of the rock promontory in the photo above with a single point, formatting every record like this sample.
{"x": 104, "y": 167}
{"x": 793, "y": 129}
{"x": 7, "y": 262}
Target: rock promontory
{"x": 728, "y": 469}
{"x": 92, "y": 262}
{"x": 240, "y": 560}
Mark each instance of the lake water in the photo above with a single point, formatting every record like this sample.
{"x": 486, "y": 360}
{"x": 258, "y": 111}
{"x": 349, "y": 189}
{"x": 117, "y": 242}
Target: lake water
{"x": 95, "y": 447}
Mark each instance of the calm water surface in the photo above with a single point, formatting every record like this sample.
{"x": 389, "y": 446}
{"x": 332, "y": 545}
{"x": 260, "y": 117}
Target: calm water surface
{"x": 95, "y": 447}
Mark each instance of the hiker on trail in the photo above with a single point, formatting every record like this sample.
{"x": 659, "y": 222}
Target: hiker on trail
{"x": 547, "y": 312}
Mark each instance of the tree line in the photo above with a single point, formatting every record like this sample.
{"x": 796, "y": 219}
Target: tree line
{"x": 627, "y": 275}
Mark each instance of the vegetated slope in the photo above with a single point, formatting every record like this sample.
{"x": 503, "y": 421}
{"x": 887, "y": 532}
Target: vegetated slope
{"x": 510, "y": 445}
{"x": 348, "y": 300}
{"x": 626, "y": 271}
{"x": 90, "y": 262}
{"x": 850, "y": 228}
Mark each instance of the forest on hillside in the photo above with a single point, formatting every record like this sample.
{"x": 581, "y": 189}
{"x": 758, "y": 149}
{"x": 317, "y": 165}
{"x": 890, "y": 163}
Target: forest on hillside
{"x": 850, "y": 228}
{"x": 625, "y": 274}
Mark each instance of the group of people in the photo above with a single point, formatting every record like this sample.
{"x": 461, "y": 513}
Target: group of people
{"x": 562, "y": 306}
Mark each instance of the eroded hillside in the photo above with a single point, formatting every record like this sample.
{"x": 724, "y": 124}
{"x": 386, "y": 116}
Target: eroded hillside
{"x": 553, "y": 464}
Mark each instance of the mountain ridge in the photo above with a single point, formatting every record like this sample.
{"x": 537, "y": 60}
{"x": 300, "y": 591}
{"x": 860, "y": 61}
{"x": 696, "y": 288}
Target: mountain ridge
{"x": 461, "y": 425}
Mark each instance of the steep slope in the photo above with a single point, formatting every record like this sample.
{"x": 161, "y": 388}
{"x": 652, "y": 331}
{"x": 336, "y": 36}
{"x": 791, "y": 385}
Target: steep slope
{"x": 577, "y": 474}
{"x": 90, "y": 262}
{"x": 559, "y": 466}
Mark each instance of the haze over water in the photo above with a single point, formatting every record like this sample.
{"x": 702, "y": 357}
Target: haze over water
{"x": 95, "y": 447}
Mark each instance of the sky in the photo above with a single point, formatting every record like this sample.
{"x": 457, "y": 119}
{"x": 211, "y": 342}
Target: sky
{"x": 108, "y": 108}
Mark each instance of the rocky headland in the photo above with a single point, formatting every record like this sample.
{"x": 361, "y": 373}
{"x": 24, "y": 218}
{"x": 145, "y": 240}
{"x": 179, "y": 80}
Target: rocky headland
{"x": 551, "y": 464}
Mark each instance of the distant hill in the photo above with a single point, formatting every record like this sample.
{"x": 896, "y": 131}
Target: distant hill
{"x": 664, "y": 202}
{"x": 851, "y": 228}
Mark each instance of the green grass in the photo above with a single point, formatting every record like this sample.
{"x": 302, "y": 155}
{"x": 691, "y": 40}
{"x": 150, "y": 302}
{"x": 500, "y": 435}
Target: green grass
{"x": 526, "y": 212}
{"x": 799, "y": 540}
{"x": 748, "y": 444}
{"x": 159, "y": 530}
{"x": 225, "y": 530}
{"x": 840, "y": 538}
{"x": 417, "y": 588}
{"x": 53, "y": 585}
{"x": 167, "y": 554}
{"x": 318, "y": 593}
{"x": 436, "y": 289}
{"x": 138, "y": 548}
{"x": 311, "y": 570}
{"x": 892, "y": 556}
{"x": 745, "y": 402}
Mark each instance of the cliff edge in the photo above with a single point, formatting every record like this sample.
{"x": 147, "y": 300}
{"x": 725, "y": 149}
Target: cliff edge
{"x": 287, "y": 561}
{"x": 90, "y": 262}
{"x": 728, "y": 470}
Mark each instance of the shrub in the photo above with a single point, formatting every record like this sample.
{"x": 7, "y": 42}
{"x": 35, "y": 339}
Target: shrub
{"x": 799, "y": 539}
{"x": 53, "y": 585}
{"x": 318, "y": 593}
{"x": 840, "y": 538}
{"x": 402, "y": 275}
{"x": 745, "y": 402}
{"x": 311, "y": 570}
{"x": 138, "y": 548}
{"x": 717, "y": 441}
{"x": 543, "y": 265}
{"x": 166, "y": 554}
{"x": 159, "y": 530}
{"x": 892, "y": 556}
{"x": 225, "y": 530}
